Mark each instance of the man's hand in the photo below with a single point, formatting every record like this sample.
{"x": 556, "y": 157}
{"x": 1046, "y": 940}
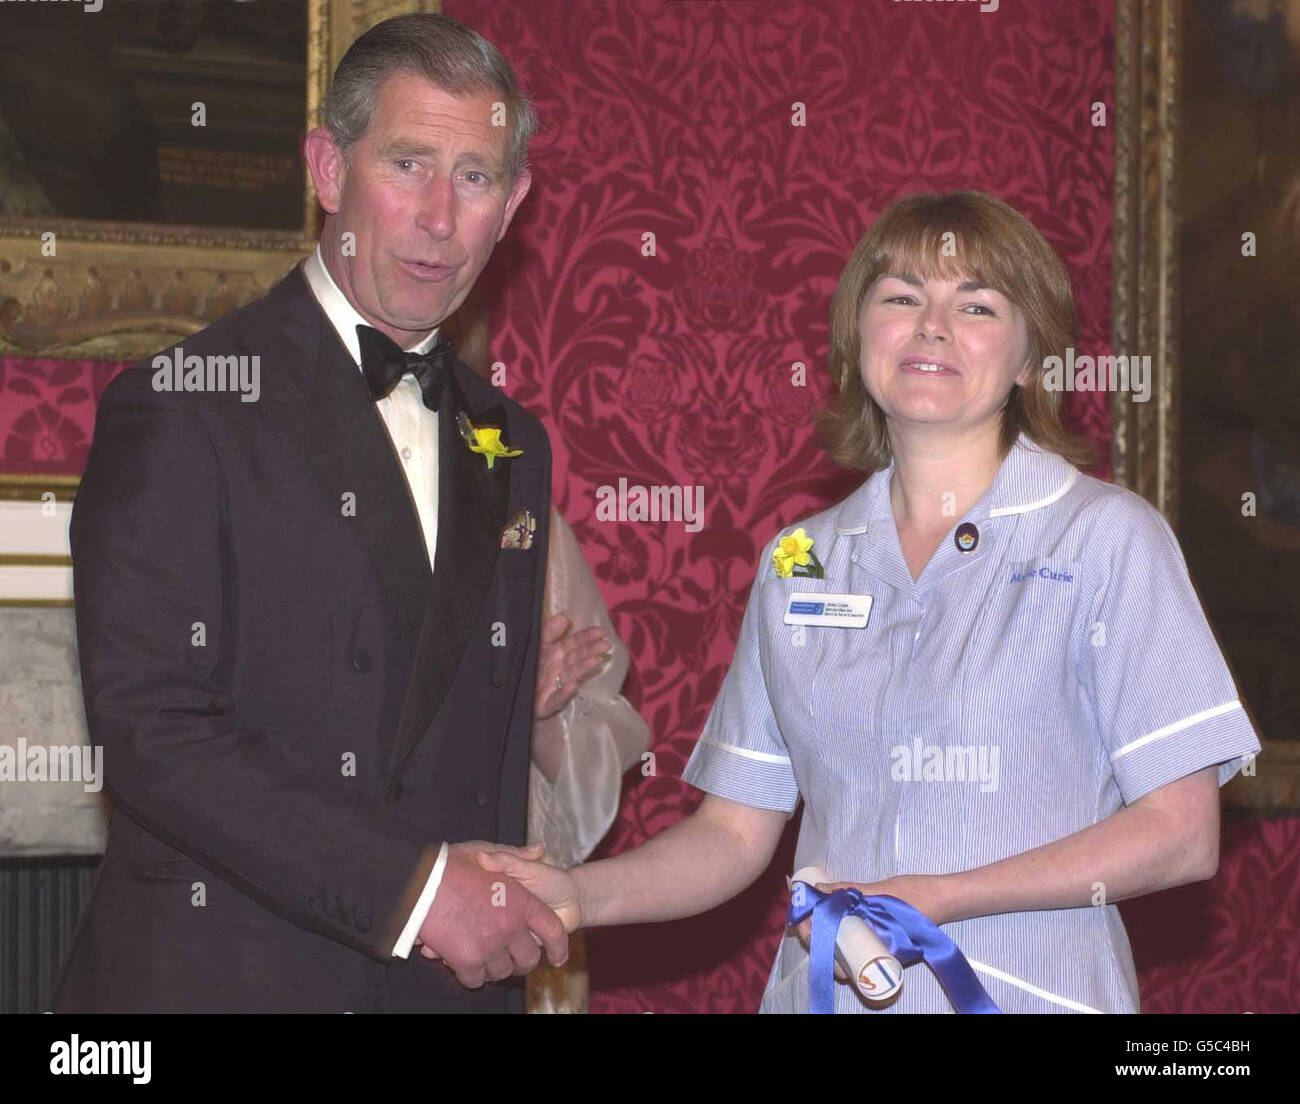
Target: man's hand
{"x": 474, "y": 847}
{"x": 485, "y": 927}
{"x": 558, "y": 888}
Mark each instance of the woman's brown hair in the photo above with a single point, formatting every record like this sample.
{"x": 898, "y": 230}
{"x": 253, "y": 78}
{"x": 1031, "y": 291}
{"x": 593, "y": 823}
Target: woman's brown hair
{"x": 991, "y": 242}
{"x": 467, "y": 329}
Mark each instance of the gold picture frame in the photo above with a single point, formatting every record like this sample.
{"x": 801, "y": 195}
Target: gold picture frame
{"x": 1146, "y": 316}
{"x": 120, "y": 291}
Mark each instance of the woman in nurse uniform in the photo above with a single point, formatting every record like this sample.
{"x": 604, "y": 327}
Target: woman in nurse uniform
{"x": 1035, "y": 719}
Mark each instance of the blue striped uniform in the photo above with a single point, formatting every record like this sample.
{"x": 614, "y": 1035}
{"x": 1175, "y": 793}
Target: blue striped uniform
{"x": 1011, "y": 696}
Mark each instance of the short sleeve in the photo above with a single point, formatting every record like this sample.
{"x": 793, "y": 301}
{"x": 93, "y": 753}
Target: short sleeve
{"x": 740, "y": 754}
{"x": 1162, "y": 695}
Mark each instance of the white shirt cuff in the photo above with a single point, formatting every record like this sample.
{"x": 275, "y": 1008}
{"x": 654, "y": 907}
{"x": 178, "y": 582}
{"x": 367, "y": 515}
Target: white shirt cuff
{"x": 407, "y": 939}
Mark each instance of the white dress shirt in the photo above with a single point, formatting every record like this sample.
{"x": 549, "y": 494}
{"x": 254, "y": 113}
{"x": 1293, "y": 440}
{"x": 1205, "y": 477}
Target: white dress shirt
{"x": 413, "y": 429}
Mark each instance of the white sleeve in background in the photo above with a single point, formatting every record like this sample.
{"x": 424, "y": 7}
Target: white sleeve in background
{"x": 407, "y": 939}
{"x": 602, "y": 734}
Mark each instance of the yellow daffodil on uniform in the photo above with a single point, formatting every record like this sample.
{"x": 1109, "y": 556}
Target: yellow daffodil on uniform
{"x": 793, "y": 556}
{"x": 485, "y": 440}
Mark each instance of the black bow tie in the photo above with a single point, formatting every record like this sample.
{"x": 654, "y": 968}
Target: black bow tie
{"x": 384, "y": 363}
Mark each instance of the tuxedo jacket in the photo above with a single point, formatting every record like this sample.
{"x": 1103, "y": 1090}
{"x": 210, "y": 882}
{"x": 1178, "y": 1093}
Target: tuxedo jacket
{"x": 295, "y": 711}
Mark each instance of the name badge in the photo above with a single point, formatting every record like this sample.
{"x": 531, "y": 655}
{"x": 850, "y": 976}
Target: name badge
{"x": 845, "y": 611}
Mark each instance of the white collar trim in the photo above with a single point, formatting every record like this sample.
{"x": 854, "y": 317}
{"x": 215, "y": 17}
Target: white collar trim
{"x": 1029, "y": 459}
{"x": 1040, "y": 503}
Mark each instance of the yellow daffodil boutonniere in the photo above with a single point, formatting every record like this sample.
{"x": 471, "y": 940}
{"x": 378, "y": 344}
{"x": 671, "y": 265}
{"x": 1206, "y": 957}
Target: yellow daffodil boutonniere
{"x": 793, "y": 557}
{"x": 485, "y": 440}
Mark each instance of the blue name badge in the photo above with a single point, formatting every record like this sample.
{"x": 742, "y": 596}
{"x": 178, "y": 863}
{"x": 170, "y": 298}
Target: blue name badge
{"x": 845, "y": 611}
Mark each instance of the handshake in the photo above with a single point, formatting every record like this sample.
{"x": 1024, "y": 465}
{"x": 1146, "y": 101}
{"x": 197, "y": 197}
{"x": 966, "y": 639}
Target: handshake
{"x": 496, "y": 908}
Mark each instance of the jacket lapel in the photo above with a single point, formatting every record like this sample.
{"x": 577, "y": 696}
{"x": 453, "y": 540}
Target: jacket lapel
{"x": 472, "y": 502}
{"x": 320, "y": 405}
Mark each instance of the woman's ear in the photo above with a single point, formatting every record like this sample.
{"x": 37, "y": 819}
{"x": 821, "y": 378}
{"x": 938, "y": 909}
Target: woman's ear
{"x": 1026, "y": 376}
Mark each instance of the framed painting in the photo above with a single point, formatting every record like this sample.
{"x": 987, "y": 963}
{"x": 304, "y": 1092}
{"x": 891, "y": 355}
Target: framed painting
{"x": 1207, "y": 271}
{"x": 150, "y": 182}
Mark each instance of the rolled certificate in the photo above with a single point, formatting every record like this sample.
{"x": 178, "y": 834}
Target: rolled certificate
{"x": 875, "y": 973}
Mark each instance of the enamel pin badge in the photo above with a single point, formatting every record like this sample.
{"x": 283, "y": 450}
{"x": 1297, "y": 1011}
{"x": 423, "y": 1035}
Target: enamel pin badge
{"x": 518, "y": 533}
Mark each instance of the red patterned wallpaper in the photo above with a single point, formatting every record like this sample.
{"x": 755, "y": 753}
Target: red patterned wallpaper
{"x": 675, "y": 119}
{"x": 47, "y": 413}
{"x": 674, "y": 369}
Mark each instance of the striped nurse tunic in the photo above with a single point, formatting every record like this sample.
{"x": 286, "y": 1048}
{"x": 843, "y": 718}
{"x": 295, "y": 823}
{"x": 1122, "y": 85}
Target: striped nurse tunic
{"x": 1009, "y": 697}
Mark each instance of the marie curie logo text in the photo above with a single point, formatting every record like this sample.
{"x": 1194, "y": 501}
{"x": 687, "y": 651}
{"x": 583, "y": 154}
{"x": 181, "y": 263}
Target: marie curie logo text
{"x": 1034, "y": 572}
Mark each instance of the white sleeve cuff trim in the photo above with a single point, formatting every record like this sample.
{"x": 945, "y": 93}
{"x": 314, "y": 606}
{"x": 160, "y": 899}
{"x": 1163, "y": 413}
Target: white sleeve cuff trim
{"x": 407, "y": 939}
{"x": 1177, "y": 726}
{"x": 760, "y": 756}
{"x": 1019, "y": 983}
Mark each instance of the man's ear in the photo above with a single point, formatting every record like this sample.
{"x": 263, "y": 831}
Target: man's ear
{"x": 328, "y": 167}
{"x": 517, "y": 193}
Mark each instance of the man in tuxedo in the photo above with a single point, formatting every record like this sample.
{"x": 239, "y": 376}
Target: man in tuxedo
{"x": 308, "y": 623}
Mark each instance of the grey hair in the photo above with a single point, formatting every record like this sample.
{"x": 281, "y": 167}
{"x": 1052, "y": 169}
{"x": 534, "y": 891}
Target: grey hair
{"x": 450, "y": 55}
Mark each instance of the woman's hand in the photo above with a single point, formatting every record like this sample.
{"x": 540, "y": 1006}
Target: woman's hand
{"x": 567, "y": 660}
{"x": 555, "y": 887}
{"x": 927, "y": 893}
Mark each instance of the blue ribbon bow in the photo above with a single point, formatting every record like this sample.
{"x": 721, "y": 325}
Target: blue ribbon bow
{"x": 907, "y": 932}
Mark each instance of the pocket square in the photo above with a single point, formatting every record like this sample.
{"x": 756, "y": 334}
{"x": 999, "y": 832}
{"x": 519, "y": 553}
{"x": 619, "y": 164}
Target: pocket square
{"x": 518, "y": 533}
